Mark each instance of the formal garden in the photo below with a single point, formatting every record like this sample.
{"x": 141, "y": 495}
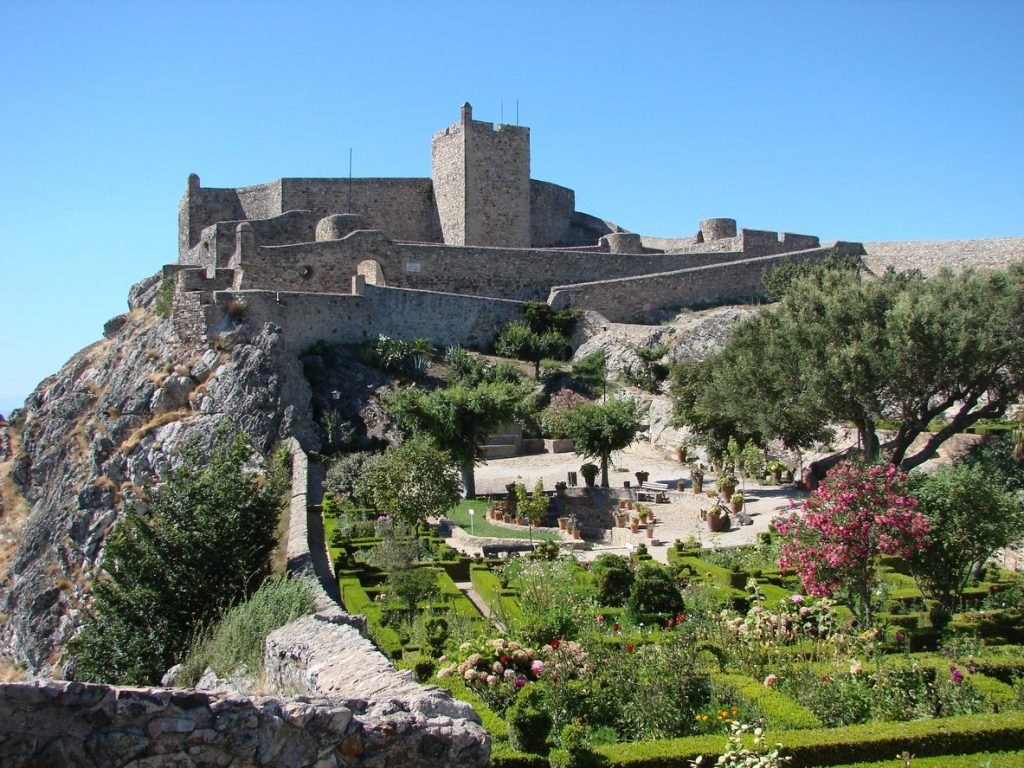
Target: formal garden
{"x": 870, "y": 626}
{"x": 842, "y": 655}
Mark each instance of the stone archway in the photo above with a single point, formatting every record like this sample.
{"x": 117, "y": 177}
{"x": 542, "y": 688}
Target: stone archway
{"x": 371, "y": 270}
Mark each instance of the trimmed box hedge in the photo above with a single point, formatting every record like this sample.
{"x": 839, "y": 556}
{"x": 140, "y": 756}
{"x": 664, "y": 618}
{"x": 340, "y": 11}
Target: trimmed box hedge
{"x": 840, "y": 746}
{"x": 780, "y": 710}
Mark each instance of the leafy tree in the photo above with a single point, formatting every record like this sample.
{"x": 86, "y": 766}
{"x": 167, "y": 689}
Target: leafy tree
{"x": 600, "y": 428}
{"x": 201, "y": 543}
{"x": 344, "y": 472}
{"x": 996, "y": 458}
{"x": 842, "y": 348}
{"x": 778, "y": 279}
{"x": 408, "y": 587}
{"x": 969, "y": 519}
{"x": 458, "y": 418}
{"x": 590, "y": 370}
{"x": 858, "y": 513}
{"x": 411, "y": 482}
{"x": 518, "y": 340}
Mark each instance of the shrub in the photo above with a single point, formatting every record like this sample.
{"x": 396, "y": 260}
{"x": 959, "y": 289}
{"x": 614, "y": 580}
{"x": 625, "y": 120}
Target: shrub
{"x": 164, "y": 303}
{"x": 237, "y": 639}
{"x": 654, "y": 594}
{"x": 528, "y": 722}
{"x": 613, "y": 578}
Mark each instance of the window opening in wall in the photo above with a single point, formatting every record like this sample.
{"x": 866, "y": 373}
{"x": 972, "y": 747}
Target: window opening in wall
{"x": 307, "y": 271}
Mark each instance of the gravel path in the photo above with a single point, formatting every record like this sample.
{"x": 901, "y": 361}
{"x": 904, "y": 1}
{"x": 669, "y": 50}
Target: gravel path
{"x": 678, "y": 519}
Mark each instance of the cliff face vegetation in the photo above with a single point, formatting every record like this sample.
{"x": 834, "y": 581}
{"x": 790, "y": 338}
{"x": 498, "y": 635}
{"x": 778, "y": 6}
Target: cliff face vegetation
{"x": 94, "y": 435}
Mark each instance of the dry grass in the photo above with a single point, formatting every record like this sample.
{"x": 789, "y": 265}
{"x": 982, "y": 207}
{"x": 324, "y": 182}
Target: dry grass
{"x": 15, "y": 508}
{"x": 11, "y": 672}
{"x": 133, "y": 440}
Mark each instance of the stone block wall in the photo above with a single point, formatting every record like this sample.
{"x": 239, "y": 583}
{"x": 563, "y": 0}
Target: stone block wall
{"x": 931, "y": 256}
{"x": 497, "y": 185}
{"x": 551, "y": 210}
{"x": 448, "y": 173}
{"x": 635, "y": 299}
{"x": 404, "y": 208}
{"x": 79, "y": 724}
{"x": 347, "y": 319}
{"x": 498, "y": 272}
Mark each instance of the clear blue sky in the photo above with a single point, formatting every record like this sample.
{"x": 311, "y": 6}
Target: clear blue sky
{"x": 856, "y": 120}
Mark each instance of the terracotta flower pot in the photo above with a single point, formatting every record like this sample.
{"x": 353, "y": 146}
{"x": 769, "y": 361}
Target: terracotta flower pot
{"x": 563, "y": 523}
{"x": 650, "y": 532}
{"x": 714, "y": 523}
{"x": 736, "y": 505}
{"x": 620, "y": 521}
{"x": 577, "y": 533}
{"x": 634, "y": 527}
{"x": 698, "y": 488}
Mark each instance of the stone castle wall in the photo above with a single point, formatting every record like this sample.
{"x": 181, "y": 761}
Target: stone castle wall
{"x": 930, "y": 256}
{"x": 499, "y": 272}
{"x": 551, "y": 212}
{"x": 635, "y": 299}
{"x": 448, "y": 171}
{"x": 348, "y": 318}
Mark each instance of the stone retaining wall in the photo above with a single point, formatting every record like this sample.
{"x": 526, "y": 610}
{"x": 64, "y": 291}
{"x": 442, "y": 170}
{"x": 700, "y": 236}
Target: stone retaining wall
{"x": 78, "y": 724}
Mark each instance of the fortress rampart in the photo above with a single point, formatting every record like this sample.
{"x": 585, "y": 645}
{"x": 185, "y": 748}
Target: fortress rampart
{"x": 446, "y": 256}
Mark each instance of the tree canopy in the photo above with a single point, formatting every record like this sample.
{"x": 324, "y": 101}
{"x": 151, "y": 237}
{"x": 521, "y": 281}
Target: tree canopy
{"x": 842, "y": 348}
{"x": 969, "y": 518}
{"x": 458, "y": 418}
{"x": 601, "y": 428}
{"x": 201, "y": 543}
{"x": 411, "y": 482}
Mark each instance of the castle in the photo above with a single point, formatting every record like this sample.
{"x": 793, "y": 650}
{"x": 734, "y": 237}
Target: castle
{"x": 449, "y": 258}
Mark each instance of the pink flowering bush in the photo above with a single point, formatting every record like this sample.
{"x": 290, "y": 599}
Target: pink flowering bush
{"x": 552, "y": 418}
{"x": 858, "y": 513}
{"x": 793, "y": 620}
{"x": 498, "y": 668}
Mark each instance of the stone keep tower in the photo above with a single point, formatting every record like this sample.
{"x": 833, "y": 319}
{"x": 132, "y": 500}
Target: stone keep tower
{"x": 481, "y": 176}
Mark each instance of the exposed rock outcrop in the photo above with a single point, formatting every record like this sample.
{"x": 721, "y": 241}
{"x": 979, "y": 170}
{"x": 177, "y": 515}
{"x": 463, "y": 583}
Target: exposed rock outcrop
{"x": 113, "y": 420}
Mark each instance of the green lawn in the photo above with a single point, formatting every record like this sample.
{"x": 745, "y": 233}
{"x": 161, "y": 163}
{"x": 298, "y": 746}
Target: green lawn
{"x": 481, "y": 526}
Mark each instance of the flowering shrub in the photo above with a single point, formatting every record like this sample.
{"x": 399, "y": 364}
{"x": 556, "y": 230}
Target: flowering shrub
{"x": 552, "y": 418}
{"x": 858, "y": 513}
{"x": 498, "y": 668}
{"x": 740, "y": 756}
{"x": 795, "y": 619}
{"x": 886, "y": 693}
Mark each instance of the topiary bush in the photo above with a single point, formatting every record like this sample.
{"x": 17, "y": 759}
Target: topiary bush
{"x": 654, "y": 594}
{"x": 529, "y": 723}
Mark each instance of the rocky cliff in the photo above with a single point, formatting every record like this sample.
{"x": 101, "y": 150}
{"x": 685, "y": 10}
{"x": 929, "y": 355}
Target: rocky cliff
{"x": 90, "y": 439}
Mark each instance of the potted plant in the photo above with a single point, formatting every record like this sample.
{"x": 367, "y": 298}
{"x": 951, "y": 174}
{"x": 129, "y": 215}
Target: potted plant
{"x": 714, "y": 518}
{"x": 681, "y": 452}
{"x": 560, "y": 487}
{"x": 563, "y": 523}
{"x": 649, "y": 533}
{"x": 589, "y": 472}
{"x": 641, "y": 515}
{"x": 620, "y": 520}
{"x": 727, "y": 483}
{"x": 776, "y": 467}
{"x": 641, "y": 477}
{"x": 697, "y": 477}
{"x": 737, "y": 502}
{"x": 634, "y": 525}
